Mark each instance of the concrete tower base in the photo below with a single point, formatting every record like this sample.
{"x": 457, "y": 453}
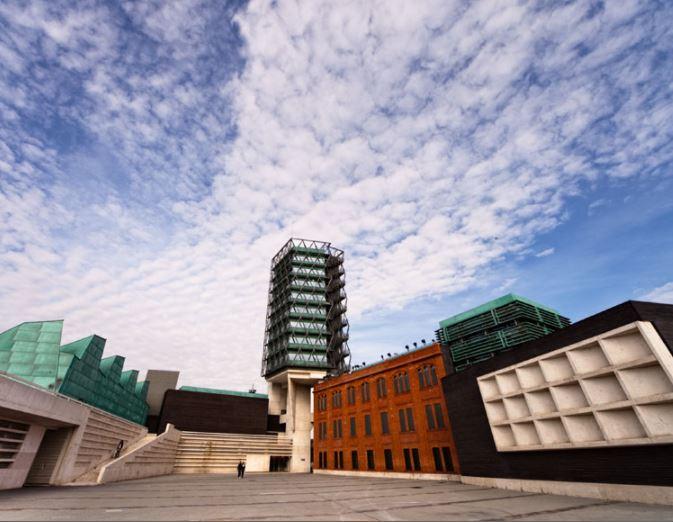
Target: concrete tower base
{"x": 290, "y": 397}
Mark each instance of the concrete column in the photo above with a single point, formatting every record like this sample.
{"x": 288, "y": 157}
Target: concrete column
{"x": 276, "y": 398}
{"x": 301, "y": 433}
{"x": 291, "y": 391}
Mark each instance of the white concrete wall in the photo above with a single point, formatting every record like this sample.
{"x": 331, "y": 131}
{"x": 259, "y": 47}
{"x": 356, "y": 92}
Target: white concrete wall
{"x": 95, "y": 435}
{"x": 257, "y": 463}
{"x": 155, "y": 457}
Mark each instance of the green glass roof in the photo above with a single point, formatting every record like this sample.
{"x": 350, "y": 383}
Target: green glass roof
{"x": 491, "y": 305}
{"x": 224, "y": 392}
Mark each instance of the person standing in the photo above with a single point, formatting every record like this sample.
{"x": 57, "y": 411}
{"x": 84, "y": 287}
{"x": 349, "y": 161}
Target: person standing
{"x": 240, "y": 468}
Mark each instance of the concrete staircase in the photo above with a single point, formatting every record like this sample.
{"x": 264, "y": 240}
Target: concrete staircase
{"x": 90, "y": 478}
{"x": 221, "y": 452}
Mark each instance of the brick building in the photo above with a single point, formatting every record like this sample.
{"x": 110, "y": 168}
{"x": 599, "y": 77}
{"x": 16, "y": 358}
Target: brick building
{"x": 390, "y": 416}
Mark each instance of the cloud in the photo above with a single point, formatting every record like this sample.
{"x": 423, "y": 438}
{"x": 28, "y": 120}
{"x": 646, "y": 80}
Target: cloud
{"x": 156, "y": 155}
{"x": 661, "y": 294}
{"x": 546, "y": 252}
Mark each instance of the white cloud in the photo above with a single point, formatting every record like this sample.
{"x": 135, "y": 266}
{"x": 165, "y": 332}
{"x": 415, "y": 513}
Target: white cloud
{"x": 546, "y": 252}
{"x": 661, "y": 294}
{"x": 429, "y": 140}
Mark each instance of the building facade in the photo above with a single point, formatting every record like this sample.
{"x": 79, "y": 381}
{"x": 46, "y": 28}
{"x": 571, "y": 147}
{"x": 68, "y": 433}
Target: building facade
{"x": 592, "y": 402}
{"x": 306, "y": 325}
{"x": 33, "y": 351}
{"x": 390, "y": 416}
{"x": 216, "y": 411}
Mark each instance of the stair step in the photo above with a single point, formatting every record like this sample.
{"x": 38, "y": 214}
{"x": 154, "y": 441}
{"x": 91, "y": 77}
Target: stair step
{"x": 200, "y": 452}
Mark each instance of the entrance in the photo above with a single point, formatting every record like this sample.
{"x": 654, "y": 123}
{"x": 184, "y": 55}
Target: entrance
{"x": 278, "y": 463}
{"x": 47, "y": 457}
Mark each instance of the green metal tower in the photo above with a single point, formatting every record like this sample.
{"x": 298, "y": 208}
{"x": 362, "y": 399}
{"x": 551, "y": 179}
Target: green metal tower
{"x": 306, "y": 325}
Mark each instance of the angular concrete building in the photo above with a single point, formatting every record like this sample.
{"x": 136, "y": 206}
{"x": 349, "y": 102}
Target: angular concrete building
{"x": 33, "y": 352}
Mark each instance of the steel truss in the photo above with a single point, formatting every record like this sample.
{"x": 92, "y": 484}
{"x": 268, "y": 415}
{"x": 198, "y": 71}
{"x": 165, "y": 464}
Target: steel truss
{"x": 306, "y": 323}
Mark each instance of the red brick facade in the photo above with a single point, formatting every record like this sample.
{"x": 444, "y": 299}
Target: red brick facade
{"x": 399, "y": 415}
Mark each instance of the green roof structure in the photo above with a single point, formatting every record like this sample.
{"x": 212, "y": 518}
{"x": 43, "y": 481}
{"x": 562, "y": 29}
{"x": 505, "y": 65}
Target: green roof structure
{"x": 306, "y": 325}
{"x": 33, "y": 352}
{"x": 224, "y": 392}
{"x": 500, "y": 324}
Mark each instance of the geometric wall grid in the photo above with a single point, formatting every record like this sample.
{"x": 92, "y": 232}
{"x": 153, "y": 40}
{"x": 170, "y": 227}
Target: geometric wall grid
{"x": 614, "y": 389}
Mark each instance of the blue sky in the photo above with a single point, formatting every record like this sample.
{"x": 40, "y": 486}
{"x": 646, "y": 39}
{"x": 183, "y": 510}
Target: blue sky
{"x": 155, "y": 155}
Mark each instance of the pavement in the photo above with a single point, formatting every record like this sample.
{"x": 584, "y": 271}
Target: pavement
{"x": 283, "y": 496}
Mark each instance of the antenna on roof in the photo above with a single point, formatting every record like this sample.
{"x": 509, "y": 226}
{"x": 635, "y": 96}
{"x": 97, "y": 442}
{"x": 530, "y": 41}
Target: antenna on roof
{"x": 252, "y": 389}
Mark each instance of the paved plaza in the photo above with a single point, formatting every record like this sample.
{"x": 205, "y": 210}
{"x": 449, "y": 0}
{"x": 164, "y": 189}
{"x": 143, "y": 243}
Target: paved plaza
{"x": 305, "y": 497}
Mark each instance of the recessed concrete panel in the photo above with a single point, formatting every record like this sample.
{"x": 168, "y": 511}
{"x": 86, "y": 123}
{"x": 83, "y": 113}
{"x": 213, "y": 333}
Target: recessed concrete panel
{"x": 612, "y": 389}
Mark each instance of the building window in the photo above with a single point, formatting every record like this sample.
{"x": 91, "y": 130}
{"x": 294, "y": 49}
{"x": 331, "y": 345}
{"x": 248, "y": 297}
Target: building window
{"x": 322, "y": 402}
{"x": 410, "y": 419}
{"x": 435, "y": 417}
{"x": 365, "y": 391}
{"x": 448, "y": 463}
{"x": 427, "y": 376}
{"x": 368, "y": 424}
{"x": 324, "y": 459}
{"x": 388, "y": 456}
{"x": 407, "y": 459}
{"x": 401, "y": 383}
{"x": 381, "y": 388}
{"x": 336, "y": 400}
{"x": 350, "y": 392}
{"x": 439, "y": 417}
{"x": 341, "y": 460}
{"x": 370, "y": 459}
{"x": 320, "y": 465}
{"x": 437, "y": 456}
{"x": 406, "y": 420}
{"x": 337, "y": 429}
{"x": 322, "y": 431}
{"x": 336, "y": 460}
{"x": 354, "y": 460}
{"x": 385, "y": 426}
{"x": 403, "y": 421}
{"x": 430, "y": 417}
{"x": 353, "y": 430}
{"x": 417, "y": 459}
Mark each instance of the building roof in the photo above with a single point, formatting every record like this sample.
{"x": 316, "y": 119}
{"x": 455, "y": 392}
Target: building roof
{"x": 224, "y": 392}
{"x": 388, "y": 363}
{"x": 490, "y": 305}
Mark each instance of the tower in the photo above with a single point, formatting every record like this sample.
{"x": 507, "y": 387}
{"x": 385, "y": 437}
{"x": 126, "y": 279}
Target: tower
{"x": 306, "y": 335}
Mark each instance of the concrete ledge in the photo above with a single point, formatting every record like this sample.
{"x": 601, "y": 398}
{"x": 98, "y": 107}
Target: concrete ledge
{"x": 389, "y": 474}
{"x": 151, "y": 459}
{"x": 619, "y": 492}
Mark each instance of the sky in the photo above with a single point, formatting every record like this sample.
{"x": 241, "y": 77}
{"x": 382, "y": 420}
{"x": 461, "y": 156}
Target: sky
{"x": 155, "y": 155}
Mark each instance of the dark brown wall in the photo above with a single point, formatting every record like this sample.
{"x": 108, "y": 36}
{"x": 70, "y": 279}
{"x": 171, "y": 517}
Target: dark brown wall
{"x": 196, "y": 411}
{"x": 477, "y": 454}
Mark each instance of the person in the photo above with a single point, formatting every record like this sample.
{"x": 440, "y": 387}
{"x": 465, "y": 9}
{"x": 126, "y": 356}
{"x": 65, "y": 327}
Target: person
{"x": 118, "y": 450}
{"x": 241, "y": 469}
